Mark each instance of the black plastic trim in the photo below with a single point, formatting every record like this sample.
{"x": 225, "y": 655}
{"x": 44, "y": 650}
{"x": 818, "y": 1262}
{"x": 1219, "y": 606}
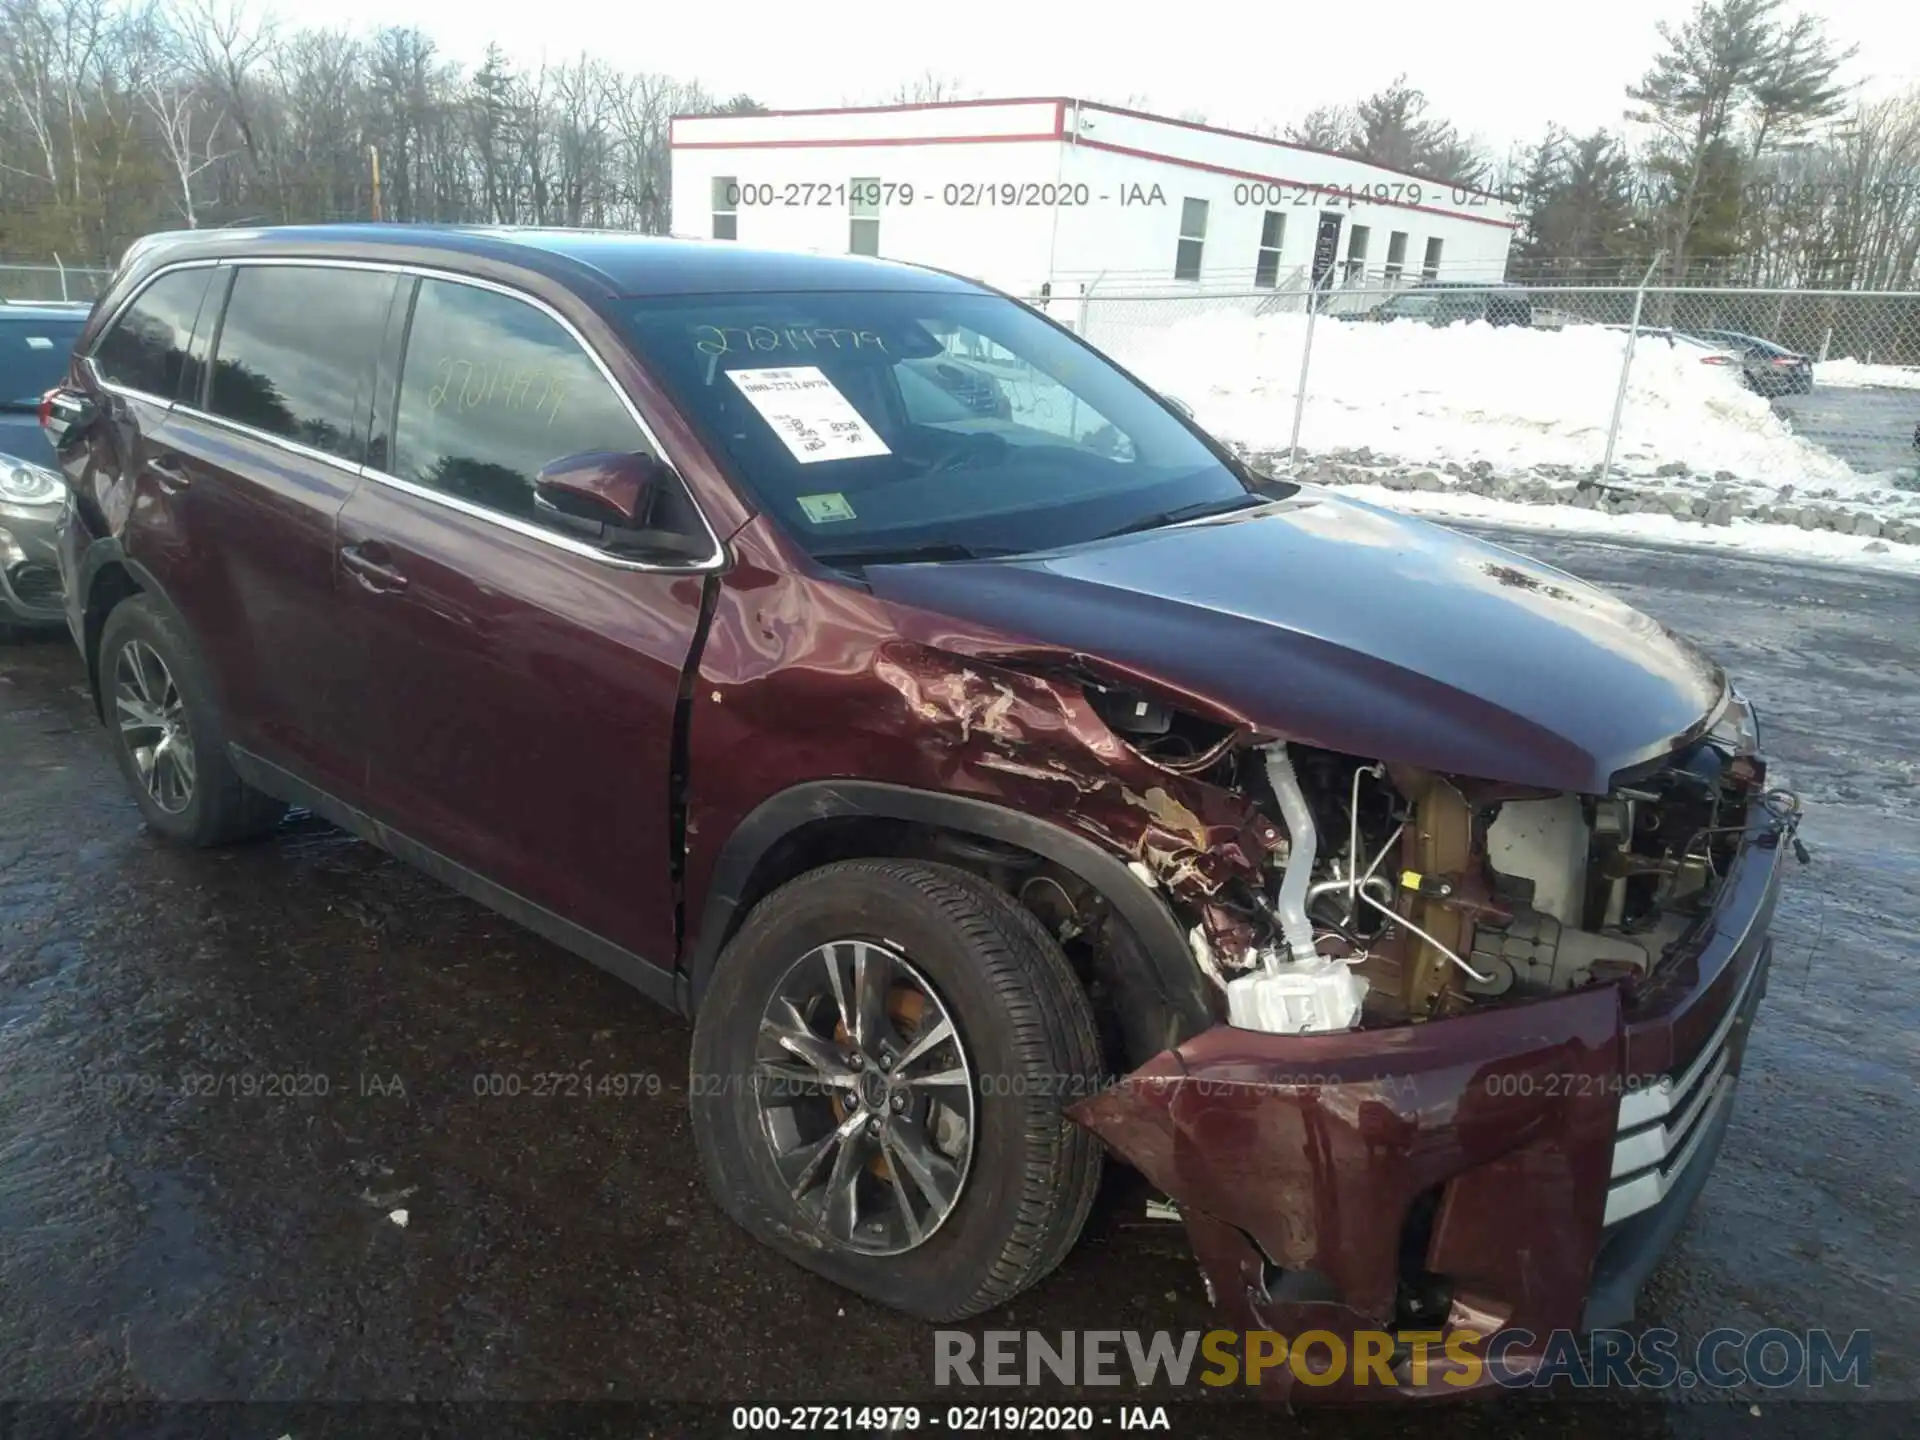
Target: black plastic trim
{"x": 651, "y": 980}
{"x": 1171, "y": 983}
{"x": 102, "y": 551}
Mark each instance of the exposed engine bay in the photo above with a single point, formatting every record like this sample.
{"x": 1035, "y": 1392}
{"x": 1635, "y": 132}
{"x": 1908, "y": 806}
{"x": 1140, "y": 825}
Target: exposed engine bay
{"x": 1400, "y": 895}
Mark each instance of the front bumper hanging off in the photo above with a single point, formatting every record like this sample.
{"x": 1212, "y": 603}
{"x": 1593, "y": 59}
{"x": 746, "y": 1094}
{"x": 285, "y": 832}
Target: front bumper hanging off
{"x": 1527, "y": 1165}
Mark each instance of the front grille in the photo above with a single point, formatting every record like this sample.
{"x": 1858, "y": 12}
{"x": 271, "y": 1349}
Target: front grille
{"x": 1661, "y": 1129}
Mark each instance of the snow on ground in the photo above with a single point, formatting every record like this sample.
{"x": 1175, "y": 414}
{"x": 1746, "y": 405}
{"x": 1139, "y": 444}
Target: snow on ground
{"x": 1516, "y": 398}
{"x": 1742, "y": 536}
{"x": 1508, "y": 426}
{"x": 1854, "y": 374}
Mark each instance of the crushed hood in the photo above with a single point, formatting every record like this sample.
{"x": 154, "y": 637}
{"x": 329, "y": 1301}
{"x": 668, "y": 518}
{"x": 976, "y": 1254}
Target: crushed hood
{"x": 1346, "y": 626}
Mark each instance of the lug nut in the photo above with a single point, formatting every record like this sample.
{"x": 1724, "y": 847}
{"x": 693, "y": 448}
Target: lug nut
{"x": 873, "y": 1129}
{"x": 899, "y": 1103}
{"x": 856, "y": 1060}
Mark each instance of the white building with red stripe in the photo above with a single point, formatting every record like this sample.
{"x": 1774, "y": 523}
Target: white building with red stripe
{"x": 1068, "y": 194}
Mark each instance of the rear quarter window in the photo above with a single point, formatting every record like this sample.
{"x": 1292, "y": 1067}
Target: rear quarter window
{"x": 146, "y": 347}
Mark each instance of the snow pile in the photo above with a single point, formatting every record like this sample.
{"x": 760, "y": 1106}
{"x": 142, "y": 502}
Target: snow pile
{"x": 1513, "y": 397}
{"x": 1857, "y": 374}
{"x": 1739, "y": 536}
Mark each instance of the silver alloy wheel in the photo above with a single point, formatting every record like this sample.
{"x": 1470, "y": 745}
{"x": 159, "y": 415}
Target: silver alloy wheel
{"x": 865, "y": 1097}
{"x": 152, "y": 717}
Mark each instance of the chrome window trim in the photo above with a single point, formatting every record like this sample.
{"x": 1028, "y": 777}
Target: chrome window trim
{"x": 536, "y": 532}
{"x": 113, "y": 320}
{"x": 278, "y": 441}
{"x": 126, "y": 391}
{"x": 716, "y": 560}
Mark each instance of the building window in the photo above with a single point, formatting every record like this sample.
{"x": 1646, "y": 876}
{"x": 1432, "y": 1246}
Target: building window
{"x": 863, "y": 216}
{"x": 1430, "y": 267}
{"x": 726, "y": 206}
{"x": 1273, "y": 231}
{"x": 1357, "y": 252}
{"x": 1193, "y": 238}
{"x": 1396, "y": 256}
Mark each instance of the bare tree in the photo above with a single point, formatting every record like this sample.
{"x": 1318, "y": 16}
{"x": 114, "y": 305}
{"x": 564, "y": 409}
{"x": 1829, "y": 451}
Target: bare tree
{"x": 227, "y": 43}
{"x": 319, "y": 84}
{"x": 643, "y": 111}
{"x": 176, "y": 111}
{"x": 930, "y": 87}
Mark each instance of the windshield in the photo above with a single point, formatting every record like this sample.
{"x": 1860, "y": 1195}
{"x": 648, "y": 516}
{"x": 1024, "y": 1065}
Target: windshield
{"x": 882, "y": 422}
{"x": 33, "y": 356}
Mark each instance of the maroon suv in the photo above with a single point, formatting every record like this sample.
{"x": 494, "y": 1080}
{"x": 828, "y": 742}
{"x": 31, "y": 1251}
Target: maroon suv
{"x": 988, "y": 782}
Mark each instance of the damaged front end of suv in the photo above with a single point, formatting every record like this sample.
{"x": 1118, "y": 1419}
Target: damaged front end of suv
{"x": 1480, "y": 1038}
{"x": 1478, "y": 874}
{"x": 1388, "y": 894}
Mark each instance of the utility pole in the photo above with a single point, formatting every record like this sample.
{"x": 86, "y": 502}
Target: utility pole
{"x": 373, "y": 154}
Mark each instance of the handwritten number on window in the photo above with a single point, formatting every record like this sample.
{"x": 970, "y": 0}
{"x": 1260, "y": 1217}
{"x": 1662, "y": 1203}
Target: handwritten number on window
{"x": 471, "y": 386}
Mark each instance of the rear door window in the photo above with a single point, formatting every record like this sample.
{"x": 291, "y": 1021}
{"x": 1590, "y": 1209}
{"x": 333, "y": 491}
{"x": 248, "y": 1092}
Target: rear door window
{"x": 146, "y": 350}
{"x": 492, "y": 391}
{"x": 296, "y": 354}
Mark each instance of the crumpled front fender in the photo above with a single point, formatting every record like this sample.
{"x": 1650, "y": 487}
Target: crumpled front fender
{"x": 1298, "y": 1162}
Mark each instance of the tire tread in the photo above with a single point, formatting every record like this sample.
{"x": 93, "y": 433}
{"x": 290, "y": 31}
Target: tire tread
{"x": 1051, "y": 1032}
{"x": 229, "y": 809}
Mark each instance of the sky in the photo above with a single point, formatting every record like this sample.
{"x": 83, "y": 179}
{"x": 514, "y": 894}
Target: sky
{"x": 1500, "y": 69}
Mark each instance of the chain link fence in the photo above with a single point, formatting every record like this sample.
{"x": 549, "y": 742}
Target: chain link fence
{"x": 1715, "y": 405}
{"x": 51, "y": 282}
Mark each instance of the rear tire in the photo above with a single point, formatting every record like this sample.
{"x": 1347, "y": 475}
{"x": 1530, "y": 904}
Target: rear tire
{"x": 167, "y": 733}
{"x": 1025, "y": 1039}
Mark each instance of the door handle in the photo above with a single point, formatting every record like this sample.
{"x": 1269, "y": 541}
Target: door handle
{"x": 170, "y": 478}
{"x": 371, "y": 572}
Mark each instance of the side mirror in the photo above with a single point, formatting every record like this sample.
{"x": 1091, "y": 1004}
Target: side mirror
{"x": 601, "y": 487}
{"x": 65, "y": 414}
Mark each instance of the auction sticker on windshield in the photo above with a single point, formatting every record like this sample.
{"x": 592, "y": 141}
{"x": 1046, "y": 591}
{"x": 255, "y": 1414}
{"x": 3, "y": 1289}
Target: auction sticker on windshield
{"x": 809, "y": 414}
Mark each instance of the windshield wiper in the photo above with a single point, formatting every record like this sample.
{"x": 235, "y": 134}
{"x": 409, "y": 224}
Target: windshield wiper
{"x": 1199, "y": 510}
{"x": 912, "y": 554}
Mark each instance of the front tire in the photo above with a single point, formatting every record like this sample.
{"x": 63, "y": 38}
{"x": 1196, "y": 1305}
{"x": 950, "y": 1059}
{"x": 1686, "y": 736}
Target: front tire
{"x": 879, "y": 1072}
{"x": 167, "y": 734}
